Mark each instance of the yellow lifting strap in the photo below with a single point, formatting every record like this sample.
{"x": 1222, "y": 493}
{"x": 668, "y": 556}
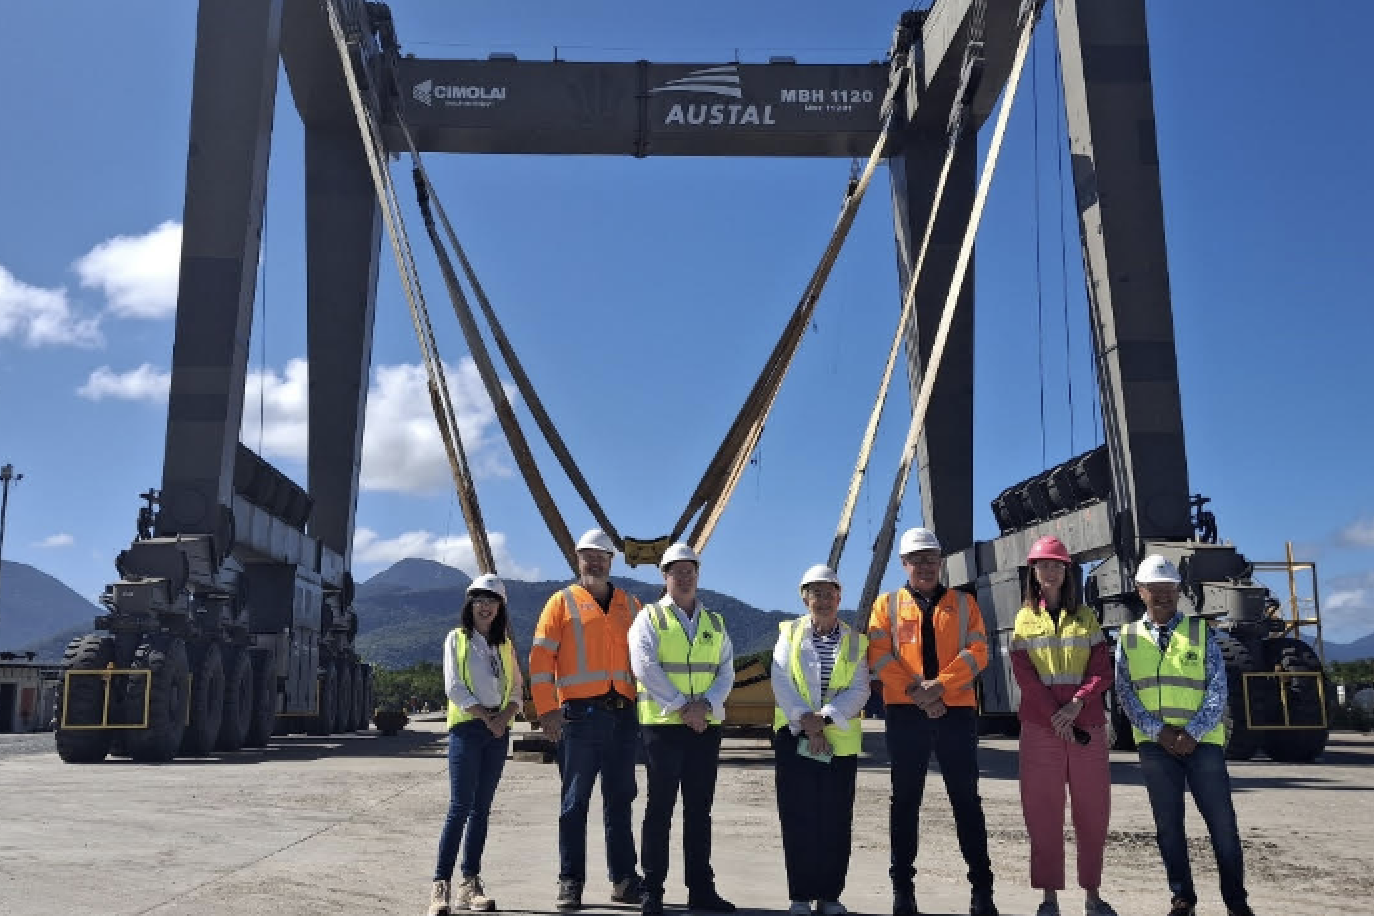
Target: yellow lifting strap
{"x": 440, "y": 398}
{"x": 883, "y": 546}
{"x": 727, "y": 466}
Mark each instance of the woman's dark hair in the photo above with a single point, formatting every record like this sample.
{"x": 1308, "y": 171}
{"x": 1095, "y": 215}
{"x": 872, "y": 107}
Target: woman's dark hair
{"x": 500, "y": 626}
{"x": 1071, "y": 594}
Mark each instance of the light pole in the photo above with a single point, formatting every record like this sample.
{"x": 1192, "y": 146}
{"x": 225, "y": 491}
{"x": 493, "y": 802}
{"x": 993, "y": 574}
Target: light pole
{"x": 7, "y": 474}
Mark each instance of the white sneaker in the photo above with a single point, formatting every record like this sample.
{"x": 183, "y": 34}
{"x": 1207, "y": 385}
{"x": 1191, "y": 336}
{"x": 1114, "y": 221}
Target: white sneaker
{"x": 438, "y": 899}
{"x": 799, "y": 908}
{"x": 470, "y": 895}
{"x": 831, "y": 908}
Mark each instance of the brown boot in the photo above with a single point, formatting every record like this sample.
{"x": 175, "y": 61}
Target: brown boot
{"x": 470, "y": 895}
{"x": 438, "y": 899}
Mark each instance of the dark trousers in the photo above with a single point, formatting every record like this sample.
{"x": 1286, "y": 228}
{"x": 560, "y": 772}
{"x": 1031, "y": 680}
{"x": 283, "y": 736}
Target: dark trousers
{"x": 816, "y": 808}
{"x": 911, "y": 738}
{"x": 476, "y": 758}
{"x": 679, "y": 757}
{"x": 1203, "y": 772}
{"x": 597, "y": 741}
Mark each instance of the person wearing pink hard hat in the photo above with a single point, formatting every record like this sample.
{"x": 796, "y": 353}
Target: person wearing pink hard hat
{"x": 1063, "y": 667}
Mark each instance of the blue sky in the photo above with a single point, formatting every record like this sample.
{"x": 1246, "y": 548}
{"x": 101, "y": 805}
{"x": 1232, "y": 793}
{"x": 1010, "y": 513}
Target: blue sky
{"x": 644, "y": 295}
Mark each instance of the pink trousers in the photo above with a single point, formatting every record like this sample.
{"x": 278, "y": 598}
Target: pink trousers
{"x": 1048, "y": 765}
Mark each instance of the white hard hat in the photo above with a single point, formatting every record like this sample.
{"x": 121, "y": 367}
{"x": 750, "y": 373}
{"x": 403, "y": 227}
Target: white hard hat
{"x": 596, "y": 539}
{"x": 1154, "y": 569}
{"x": 488, "y": 583}
{"x": 678, "y": 552}
{"x": 914, "y": 539}
{"x": 818, "y": 573}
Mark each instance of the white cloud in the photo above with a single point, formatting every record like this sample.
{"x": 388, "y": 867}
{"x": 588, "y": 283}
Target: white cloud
{"x": 142, "y": 384}
{"x": 1359, "y": 533}
{"x": 402, "y": 452}
{"x": 56, "y": 540}
{"x": 40, "y": 317}
{"x": 138, "y": 273}
{"x": 370, "y": 549}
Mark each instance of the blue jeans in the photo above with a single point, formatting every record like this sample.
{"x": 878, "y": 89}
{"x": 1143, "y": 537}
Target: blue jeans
{"x": 597, "y": 740}
{"x": 476, "y": 758}
{"x": 1204, "y": 773}
{"x": 912, "y": 737}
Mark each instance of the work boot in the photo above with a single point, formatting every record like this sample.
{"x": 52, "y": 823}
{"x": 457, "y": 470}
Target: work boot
{"x": 980, "y": 903}
{"x": 708, "y": 900}
{"x": 799, "y": 908}
{"x": 569, "y": 895}
{"x": 470, "y": 895}
{"x": 904, "y": 902}
{"x": 438, "y": 899}
{"x": 831, "y": 908}
{"x": 1098, "y": 907}
{"x": 628, "y": 890}
{"x": 1181, "y": 907}
{"x": 651, "y": 905}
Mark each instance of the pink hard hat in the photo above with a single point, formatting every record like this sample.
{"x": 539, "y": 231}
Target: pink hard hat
{"x": 1049, "y": 547}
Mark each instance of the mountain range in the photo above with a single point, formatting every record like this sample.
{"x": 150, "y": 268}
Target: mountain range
{"x": 404, "y": 612}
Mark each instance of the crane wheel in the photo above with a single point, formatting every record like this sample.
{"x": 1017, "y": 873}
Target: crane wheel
{"x": 238, "y": 701}
{"x": 168, "y": 693}
{"x": 83, "y": 705}
{"x": 207, "y": 703}
{"x": 264, "y": 721}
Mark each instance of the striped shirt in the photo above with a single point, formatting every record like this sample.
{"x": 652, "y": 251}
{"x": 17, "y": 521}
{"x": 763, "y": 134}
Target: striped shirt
{"x": 827, "y": 647}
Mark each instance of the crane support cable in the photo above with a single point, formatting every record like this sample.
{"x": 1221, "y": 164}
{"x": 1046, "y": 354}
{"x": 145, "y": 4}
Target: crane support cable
{"x": 505, "y": 413}
{"x": 908, "y": 305}
{"x": 517, "y": 369}
{"x": 439, "y": 395}
{"x": 722, "y": 475}
{"x": 883, "y": 547}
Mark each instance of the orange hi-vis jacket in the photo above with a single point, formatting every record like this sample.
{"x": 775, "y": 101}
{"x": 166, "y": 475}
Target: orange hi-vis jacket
{"x": 894, "y": 645}
{"x": 581, "y": 651}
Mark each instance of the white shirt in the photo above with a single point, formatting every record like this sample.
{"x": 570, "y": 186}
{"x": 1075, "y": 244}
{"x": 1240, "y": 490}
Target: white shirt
{"x": 645, "y": 664}
{"x": 484, "y": 661}
{"x": 844, "y": 706}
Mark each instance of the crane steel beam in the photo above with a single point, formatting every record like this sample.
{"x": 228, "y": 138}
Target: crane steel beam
{"x": 343, "y": 235}
{"x": 234, "y": 94}
{"x": 640, "y": 108}
{"x": 1109, "y": 99}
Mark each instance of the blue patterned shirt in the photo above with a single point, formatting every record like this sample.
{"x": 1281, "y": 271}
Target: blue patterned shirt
{"x": 1213, "y": 707}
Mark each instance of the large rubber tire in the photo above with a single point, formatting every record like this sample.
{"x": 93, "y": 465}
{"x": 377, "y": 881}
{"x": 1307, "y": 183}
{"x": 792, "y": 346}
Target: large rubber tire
{"x": 264, "y": 719}
{"x": 86, "y": 701}
{"x": 169, "y": 694}
{"x": 323, "y": 722}
{"x": 1241, "y": 742}
{"x": 1304, "y": 700}
{"x": 343, "y": 696}
{"x": 358, "y": 721}
{"x": 207, "y": 704}
{"x": 238, "y": 701}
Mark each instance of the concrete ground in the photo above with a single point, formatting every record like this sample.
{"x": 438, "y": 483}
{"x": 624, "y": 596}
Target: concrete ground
{"x": 350, "y": 825}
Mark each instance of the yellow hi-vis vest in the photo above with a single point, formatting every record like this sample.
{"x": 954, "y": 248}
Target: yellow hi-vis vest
{"x": 690, "y": 666}
{"x": 1170, "y": 684}
{"x": 847, "y": 741}
{"x": 1059, "y": 649}
{"x": 456, "y": 714}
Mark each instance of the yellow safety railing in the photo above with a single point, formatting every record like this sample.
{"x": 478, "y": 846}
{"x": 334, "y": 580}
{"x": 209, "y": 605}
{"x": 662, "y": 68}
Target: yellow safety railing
{"x": 1282, "y": 677}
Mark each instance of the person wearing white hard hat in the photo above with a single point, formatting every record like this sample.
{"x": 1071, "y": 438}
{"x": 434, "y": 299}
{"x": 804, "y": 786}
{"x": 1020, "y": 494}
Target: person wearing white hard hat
{"x": 1171, "y": 683}
{"x": 584, "y": 694}
{"x": 483, "y": 684}
{"x": 927, "y": 644}
{"x": 684, "y": 663}
{"x": 820, "y": 684}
